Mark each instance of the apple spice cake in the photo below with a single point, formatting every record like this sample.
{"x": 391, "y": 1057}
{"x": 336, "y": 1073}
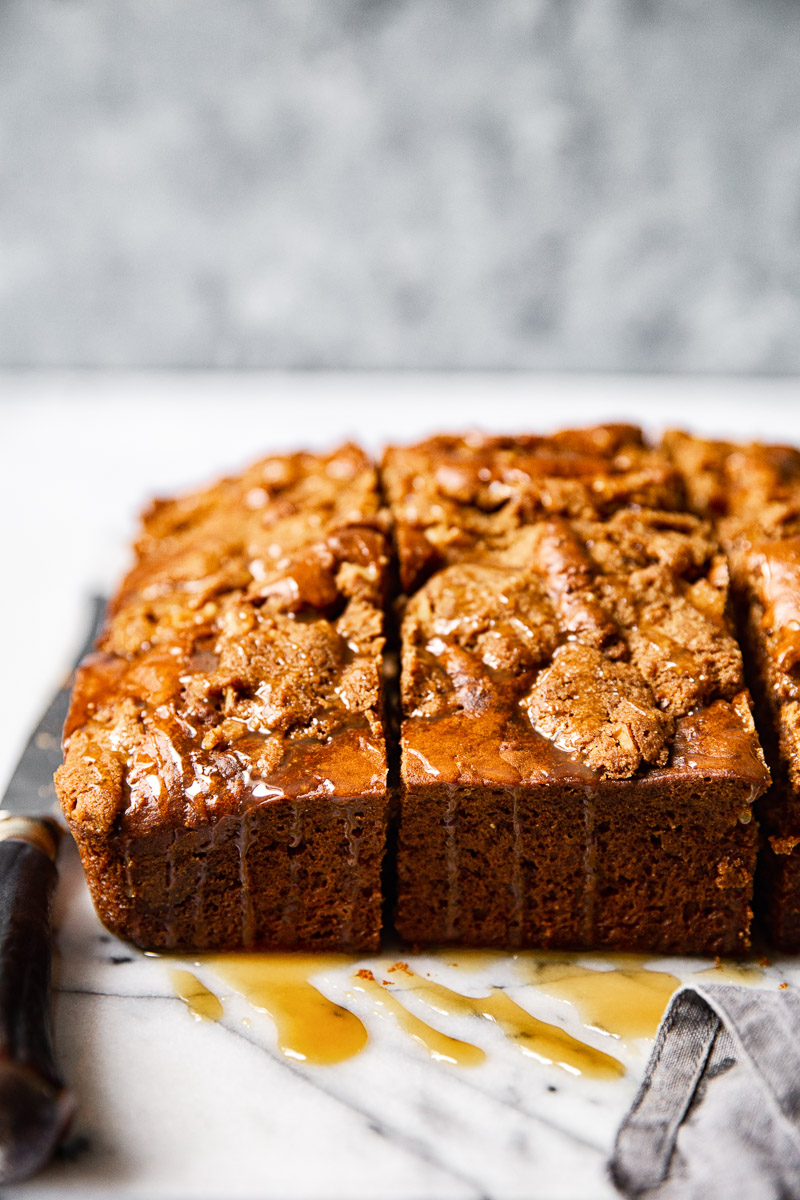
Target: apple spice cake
{"x": 225, "y": 752}
{"x": 578, "y": 755}
{"x": 579, "y": 759}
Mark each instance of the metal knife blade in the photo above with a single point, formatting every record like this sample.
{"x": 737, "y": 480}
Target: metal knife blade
{"x": 30, "y": 791}
{"x": 36, "y": 1107}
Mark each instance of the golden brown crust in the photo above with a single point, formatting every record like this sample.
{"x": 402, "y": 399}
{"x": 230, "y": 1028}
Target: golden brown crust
{"x": 251, "y": 622}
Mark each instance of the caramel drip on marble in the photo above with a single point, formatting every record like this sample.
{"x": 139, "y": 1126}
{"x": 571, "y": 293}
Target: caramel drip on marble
{"x": 439, "y": 1046}
{"x": 621, "y": 998}
{"x": 534, "y": 1038}
{"x": 627, "y": 1001}
{"x": 200, "y": 1001}
{"x": 310, "y": 1027}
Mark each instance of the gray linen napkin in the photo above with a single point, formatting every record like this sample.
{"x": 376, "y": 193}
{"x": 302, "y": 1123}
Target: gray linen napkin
{"x": 718, "y": 1113}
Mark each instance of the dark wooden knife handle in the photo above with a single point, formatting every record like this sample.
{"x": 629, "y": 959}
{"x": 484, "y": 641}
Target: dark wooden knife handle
{"x": 35, "y": 1106}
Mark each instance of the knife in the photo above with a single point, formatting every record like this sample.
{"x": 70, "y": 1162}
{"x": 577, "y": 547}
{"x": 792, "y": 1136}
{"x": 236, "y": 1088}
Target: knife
{"x": 36, "y": 1107}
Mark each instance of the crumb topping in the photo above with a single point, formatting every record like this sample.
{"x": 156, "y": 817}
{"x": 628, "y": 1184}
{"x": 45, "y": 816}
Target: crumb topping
{"x": 450, "y": 495}
{"x": 250, "y": 625}
{"x": 602, "y": 633}
{"x": 602, "y": 711}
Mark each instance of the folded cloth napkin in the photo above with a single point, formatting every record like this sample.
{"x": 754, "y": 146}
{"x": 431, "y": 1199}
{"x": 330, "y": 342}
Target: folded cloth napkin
{"x": 718, "y": 1113}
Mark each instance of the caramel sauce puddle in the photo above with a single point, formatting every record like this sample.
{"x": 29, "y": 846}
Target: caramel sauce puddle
{"x": 310, "y": 1027}
{"x": 438, "y": 1045}
{"x": 620, "y": 998}
{"x": 200, "y": 1001}
{"x": 533, "y": 1037}
{"x": 626, "y": 1001}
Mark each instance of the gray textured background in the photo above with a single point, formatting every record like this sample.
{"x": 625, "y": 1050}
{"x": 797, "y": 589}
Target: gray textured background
{"x": 525, "y": 183}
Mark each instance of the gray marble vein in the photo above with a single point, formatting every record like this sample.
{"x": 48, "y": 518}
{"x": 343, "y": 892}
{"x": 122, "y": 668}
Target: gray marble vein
{"x": 580, "y": 184}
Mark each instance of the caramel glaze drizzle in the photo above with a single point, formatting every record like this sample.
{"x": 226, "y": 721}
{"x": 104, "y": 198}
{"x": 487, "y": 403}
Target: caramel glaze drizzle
{"x": 627, "y": 1001}
{"x": 619, "y": 997}
{"x": 438, "y": 1045}
{"x": 310, "y": 1027}
{"x": 535, "y": 1038}
{"x": 200, "y": 1001}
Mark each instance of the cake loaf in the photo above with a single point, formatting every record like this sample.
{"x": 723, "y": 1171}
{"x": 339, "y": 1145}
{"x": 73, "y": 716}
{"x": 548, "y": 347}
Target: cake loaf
{"x": 579, "y": 759}
{"x": 753, "y": 494}
{"x": 225, "y": 753}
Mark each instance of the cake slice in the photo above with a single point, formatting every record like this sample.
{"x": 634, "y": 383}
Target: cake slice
{"x": 753, "y": 494}
{"x": 579, "y": 759}
{"x": 225, "y": 754}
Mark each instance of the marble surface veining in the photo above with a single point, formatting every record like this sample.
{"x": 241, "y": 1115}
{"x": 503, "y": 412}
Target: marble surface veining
{"x": 176, "y": 1107}
{"x": 560, "y": 184}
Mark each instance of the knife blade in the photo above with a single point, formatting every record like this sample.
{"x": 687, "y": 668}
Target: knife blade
{"x": 36, "y": 1107}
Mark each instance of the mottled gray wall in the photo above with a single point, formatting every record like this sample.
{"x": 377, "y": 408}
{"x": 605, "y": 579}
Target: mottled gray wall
{"x": 539, "y": 183}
